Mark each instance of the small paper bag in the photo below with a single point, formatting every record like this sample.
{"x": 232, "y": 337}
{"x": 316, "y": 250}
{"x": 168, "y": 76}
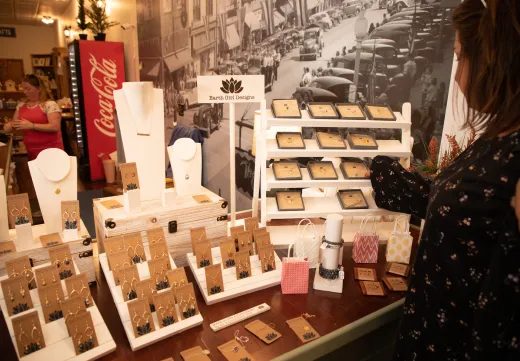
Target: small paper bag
{"x": 399, "y": 247}
{"x": 295, "y": 274}
{"x": 366, "y": 243}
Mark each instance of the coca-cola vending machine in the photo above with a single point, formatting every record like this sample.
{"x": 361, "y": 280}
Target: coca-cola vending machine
{"x": 97, "y": 68}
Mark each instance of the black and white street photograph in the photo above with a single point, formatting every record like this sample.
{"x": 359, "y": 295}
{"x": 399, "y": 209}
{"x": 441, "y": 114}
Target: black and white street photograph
{"x": 340, "y": 51}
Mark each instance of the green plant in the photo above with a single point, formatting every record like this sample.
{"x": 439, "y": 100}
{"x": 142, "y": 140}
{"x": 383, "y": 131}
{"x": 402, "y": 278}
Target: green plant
{"x": 98, "y": 15}
{"x": 82, "y": 19}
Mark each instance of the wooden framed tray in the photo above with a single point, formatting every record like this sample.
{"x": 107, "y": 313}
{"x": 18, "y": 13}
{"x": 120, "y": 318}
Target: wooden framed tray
{"x": 287, "y": 170}
{"x": 289, "y": 201}
{"x": 322, "y": 111}
{"x": 352, "y": 199}
{"x": 378, "y": 112}
{"x": 354, "y": 170}
{"x": 361, "y": 141}
{"x": 322, "y": 170}
{"x": 290, "y": 140}
{"x": 330, "y": 141}
{"x": 350, "y": 111}
{"x": 286, "y": 108}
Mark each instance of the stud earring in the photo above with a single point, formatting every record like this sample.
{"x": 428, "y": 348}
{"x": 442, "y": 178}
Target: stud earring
{"x": 67, "y": 261}
{"x": 58, "y": 264}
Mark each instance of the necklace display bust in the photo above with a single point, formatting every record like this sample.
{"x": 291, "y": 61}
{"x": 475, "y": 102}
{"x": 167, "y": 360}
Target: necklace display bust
{"x": 186, "y": 158}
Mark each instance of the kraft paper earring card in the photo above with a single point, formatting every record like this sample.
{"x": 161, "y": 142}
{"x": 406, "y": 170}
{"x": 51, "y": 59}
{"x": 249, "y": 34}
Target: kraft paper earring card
{"x": 372, "y": 288}
{"x": 28, "y": 333}
{"x": 78, "y": 285}
{"x": 267, "y": 259}
{"x": 16, "y": 295}
{"x": 185, "y": 296}
{"x": 141, "y": 317}
{"x": 129, "y": 176}
{"x": 303, "y": 329}
{"x": 263, "y": 332}
{"x": 197, "y": 235}
{"x": 242, "y": 265}
{"x": 227, "y": 253}
{"x": 214, "y": 279}
{"x": 146, "y": 289}
{"x": 395, "y": 284}
{"x": 70, "y": 216}
{"x": 158, "y": 250}
{"x": 177, "y": 278}
{"x": 51, "y": 297}
{"x": 165, "y": 308}
{"x": 118, "y": 260}
{"x": 251, "y": 223}
{"x": 133, "y": 245}
{"x": 245, "y": 241}
{"x": 155, "y": 235}
{"x": 19, "y": 210}
{"x": 365, "y": 274}
{"x": 203, "y": 254}
{"x": 127, "y": 278}
{"x": 61, "y": 258}
{"x": 350, "y": 111}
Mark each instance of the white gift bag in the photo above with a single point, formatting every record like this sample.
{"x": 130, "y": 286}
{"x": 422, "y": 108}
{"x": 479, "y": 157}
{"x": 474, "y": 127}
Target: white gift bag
{"x": 307, "y": 243}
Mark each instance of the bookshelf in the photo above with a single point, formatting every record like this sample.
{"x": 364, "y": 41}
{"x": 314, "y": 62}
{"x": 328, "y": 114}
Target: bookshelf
{"x": 43, "y": 66}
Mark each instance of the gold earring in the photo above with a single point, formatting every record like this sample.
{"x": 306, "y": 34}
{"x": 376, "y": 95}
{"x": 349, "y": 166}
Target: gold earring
{"x": 35, "y": 339}
{"x": 47, "y": 303}
{"x": 10, "y": 293}
{"x": 21, "y": 338}
{"x": 78, "y": 336}
{"x": 73, "y": 291}
{"x": 58, "y": 300}
{"x": 22, "y": 291}
{"x": 53, "y": 278}
{"x": 43, "y": 281}
{"x": 15, "y": 212}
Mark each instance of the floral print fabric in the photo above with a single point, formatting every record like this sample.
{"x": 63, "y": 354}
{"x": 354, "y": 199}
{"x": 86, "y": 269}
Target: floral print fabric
{"x": 463, "y": 301}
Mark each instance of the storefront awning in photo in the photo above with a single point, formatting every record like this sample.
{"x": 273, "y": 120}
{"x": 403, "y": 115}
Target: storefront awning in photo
{"x": 277, "y": 18}
{"x": 287, "y": 9}
{"x": 252, "y": 21}
{"x": 178, "y": 60}
{"x": 150, "y": 68}
{"x": 232, "y": 38}
{"x": 311, "y": 4}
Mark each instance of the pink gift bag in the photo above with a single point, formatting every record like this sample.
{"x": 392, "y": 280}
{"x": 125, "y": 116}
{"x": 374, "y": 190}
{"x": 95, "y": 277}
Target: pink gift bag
{"x": 366, "y": 242}
{"x": 295, "y": 274}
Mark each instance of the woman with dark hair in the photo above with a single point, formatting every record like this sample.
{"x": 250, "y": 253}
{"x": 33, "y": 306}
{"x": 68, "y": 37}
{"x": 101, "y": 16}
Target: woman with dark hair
{"x": 463, "y": 300}
{"x": 39, "y": 117}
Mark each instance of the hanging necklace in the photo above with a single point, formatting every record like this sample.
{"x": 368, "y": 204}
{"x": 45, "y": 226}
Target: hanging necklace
{"x": 140, "y": 111}
{"x": 216, "y": 287}
{"x": 189, "y": 168}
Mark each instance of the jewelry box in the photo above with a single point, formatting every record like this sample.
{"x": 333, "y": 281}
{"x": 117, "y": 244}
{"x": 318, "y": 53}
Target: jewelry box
{"x": 361, "y": 141}
{"x": 376, "y": 112}
{"x": 330, "y": 141}
{"x": 352, "y": 199}
{"x": 350, "y": 111}
{"x": 322, "y": 170}
{"x": 286, "y": 108}
{"x": 287, "y": 170}
{"x": 354, "y": 170}
{"x": 322, "y": 111}
{"x": 289, "y": 201}
{"x": 290, "y": 140}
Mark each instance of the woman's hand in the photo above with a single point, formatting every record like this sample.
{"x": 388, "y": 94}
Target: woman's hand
{"x": 8, "y": 127}
{"x": 23, "y": 124}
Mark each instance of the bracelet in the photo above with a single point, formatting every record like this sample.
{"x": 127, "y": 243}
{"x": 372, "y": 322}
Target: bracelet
{"x": 331, "y": 244}
{"x": 329, "y": 274}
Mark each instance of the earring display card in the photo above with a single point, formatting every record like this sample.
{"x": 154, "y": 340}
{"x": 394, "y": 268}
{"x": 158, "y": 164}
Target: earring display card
{"x": 289, "y": 201}
{"x": 7, "y": 247}
{"x": 365, "y": 274}
{"x": 227, "y": 252}
{"x": 159, "y": 249}
{"x": 262, "y": 239}
{"x": 245, "y": 242}
{"x": 158, "y": 269}
{"x": 19, "y": 210}
{"x": 78, "y": 285}
{"x": 177, "y": 278}
{"x": 322, "y": 111}
{"x": 197, "y": 234}
{"x": 398, "y": 269}
{"x": 195, "y": 354}
{"x": 72, "y": 307}
{"x": 330, "y": 141}
{"x": 303, "y": 329}
{"x": 354, "y": 170}
{"x": 214, "y": 279}
{"x": 290, "y": 140}
{"x": 83, "y": 333}
{"x": 51, "y": 297}
{"x": 203, "y": 254}
{"x": 251, "y": 223}
{"x": 128, "y": 276}
{"x": 372, "y": 288}
{"x": 142, "y": 321}
{"x": 61, "y": 258}
{"x": 28, "y": 333}
{"x": 133, "y": 244}
{"x": 361, "y": 141}
{"x": 118, "y": 260}
{"x": 322, "y": 170}
{"x": 286, "y": 170}
{"x": 185, "y": 296}
{"x": 286, "y": 108}
{"x": 395, "y": 284}
{"x": 234, "y": 351}
{"x": 350, "y": 111}
{"x": 165, "y": 308}
{"x": 46, "y": 276}
{"x": 113, "y": 245}
{"x": 258, "y": 232}
{"x": 49, "y": 240}
{"x": 243, "y": 265}
{"x": 379, "y": 112}
{"x": 264, "y": 332}
{"x": 70, "y": 216}
{"x": 21, "y": 266}
{"x": 146, "y": 289}
{"x": 267, "y": 260}
{"x": 129, "y": 176}
{"x": 234, "y": 231}
{"x": 155, "y": 235}
{"x": 352, "y": 199}
{"x": 16, "y": 295}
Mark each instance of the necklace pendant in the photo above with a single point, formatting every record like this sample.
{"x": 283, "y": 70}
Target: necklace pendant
{"x": 57, "y": 191}
{"x": 186, "y": 177}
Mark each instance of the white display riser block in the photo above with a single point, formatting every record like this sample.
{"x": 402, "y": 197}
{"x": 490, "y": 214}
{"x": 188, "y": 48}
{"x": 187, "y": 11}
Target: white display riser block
{"x": 322, "y": 284}
{"x": 58, "y": 344}
{"x": 159, "y": 334}
{"x": 232, "y": 287}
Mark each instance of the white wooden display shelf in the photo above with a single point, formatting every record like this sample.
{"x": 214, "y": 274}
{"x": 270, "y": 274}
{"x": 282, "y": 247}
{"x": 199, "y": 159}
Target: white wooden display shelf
{"x": 307, "y": 121}
{"x": 322, "y": 206}
{"x": 58, "y": 344}
{"x": 232, "y": 287}
{"x": 391, "y": 148}
{"x": 159, "y": 334}
{"x": 308, "y": 182}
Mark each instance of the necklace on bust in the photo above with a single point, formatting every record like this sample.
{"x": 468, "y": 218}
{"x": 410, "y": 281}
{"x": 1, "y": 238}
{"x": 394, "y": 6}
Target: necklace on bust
{"x": 187, "y": 169}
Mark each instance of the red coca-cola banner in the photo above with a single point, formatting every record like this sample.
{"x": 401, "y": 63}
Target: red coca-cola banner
{"x": 102, "y": 72}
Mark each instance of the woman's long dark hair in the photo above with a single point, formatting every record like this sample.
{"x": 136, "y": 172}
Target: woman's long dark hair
{"x": 490, "y": 38}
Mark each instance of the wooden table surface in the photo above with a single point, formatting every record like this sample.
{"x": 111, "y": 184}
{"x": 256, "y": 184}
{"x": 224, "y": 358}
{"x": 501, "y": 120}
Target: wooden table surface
{"x": 333, "y": 312}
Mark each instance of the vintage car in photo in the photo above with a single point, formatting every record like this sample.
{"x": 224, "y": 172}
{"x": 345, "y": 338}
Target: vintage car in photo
{"x": 315, "y": 95}
{"x": 392, "y": 57}
{"x": 254, "y": 67}
{"x": 402, "y": 38}
{"x": 241, "y": 63}
{"x": 351, "y": 7}
{"x": 335, "y": 15}
{"x": 381, "y": 79}
{"x": 341, "y": 87}
{"x": 208, "y": 118}
{"x": 189, "y": 93}
{"x": 393, "y": 6}
{"x": 322, "y": 19}
{"x": 366, "y": 63}
{"x": 312, "y": 42}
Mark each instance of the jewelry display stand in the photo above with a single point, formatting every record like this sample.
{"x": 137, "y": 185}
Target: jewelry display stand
{"x": 232, "y": 287}
{"x": 140, "y": 111}
{"x": 159, "y": 334}
{"x": 186, "y": 159}
{"x": 331, "y": 255}
{"x": 132, "y": 201}
{"x": 4, "y": 223}
{"x": 55, "y": 179}
{"x": 58, "y": 344}
{"x": 24, "y": 235}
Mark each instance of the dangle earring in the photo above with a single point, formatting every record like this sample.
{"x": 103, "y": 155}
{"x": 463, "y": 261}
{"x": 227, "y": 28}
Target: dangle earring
{"x": 65, "y": 217}
{"x": 47, "y": 303}
{"x": 22, "y": 291}
{"x": 89, "y": 344}
{"x": 36, "y": 339}
{"x": 10, "y": 293}
{"x": 58, "y": 300}
{"x": 74, "y": 223}
{"x": 43, "y": 281}
{"x": 78, "y": 336}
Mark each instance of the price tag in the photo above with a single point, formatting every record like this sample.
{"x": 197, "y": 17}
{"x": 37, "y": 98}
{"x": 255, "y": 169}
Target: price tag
{"x": 7, "y": 247}
{"x": 324, "y": 246}
{"x": 202, "y": 199}
{"x": 49, "y": 240}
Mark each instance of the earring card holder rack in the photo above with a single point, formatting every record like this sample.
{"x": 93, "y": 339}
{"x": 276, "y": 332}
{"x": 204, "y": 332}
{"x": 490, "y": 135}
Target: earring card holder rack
{"x": 159, "y": 334}
{"x": 232, "y": 287}
{"x": 81, "y": 250}
{"x": 59, "y": 345}
{"x": 176, "y": 220}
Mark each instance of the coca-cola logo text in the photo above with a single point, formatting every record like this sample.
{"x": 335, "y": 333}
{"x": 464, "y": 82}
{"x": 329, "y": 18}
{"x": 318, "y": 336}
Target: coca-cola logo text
{"x": 104, "y": 84}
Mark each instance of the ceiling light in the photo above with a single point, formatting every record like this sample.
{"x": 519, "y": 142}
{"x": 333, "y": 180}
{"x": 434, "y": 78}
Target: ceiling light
{"x": 100, "y": 3}
{"x": 47, "y": 20}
